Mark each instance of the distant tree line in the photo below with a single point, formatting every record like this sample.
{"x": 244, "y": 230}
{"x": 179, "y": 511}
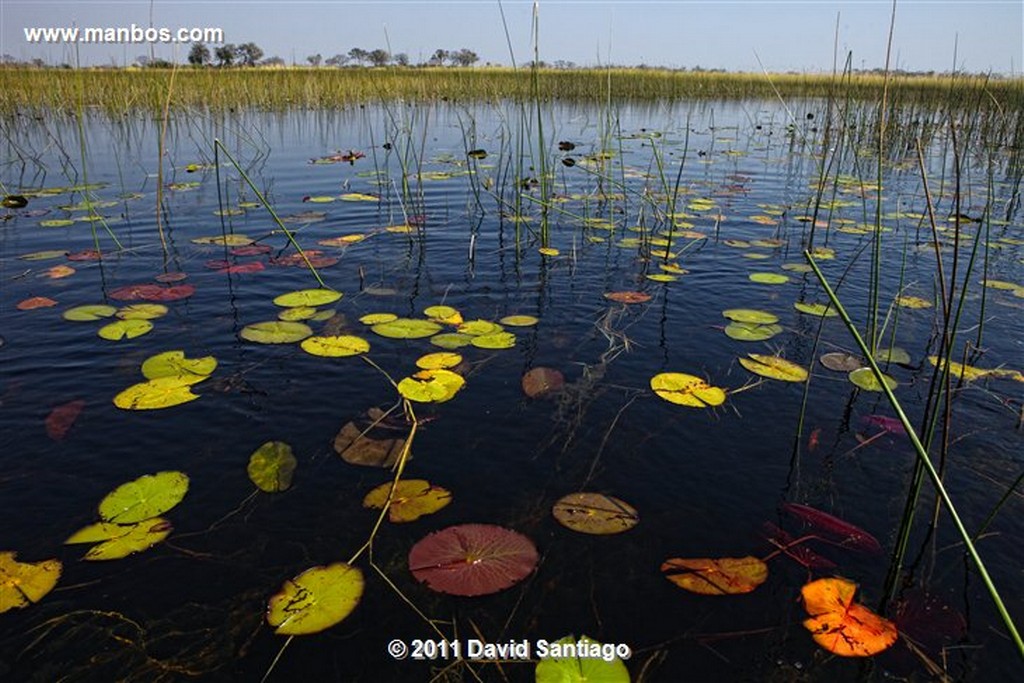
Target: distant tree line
{"x": 250, "y": 54}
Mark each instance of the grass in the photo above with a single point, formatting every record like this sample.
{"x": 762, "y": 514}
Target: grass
{"x": 120, "y": 91}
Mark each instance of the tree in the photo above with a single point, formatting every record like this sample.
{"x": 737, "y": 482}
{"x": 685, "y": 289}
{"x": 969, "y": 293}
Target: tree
{"x": 199, "y": 54}
{"x": 315, "y": 60}
{"x": 273, "y": 61}
{"x": 439, "y": 57}
{"x": 225, "y": 55}
{"x": 249, "y": 53}
{"x": 379, "y": 57}
{"x": 358, "y": 54}
{"x": 464, "y": 57}
{"x": 336, "y": 60}
{"x": 401, "y": 59}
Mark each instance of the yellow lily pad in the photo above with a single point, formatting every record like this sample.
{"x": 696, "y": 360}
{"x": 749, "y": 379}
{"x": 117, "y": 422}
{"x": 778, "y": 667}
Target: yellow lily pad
{"x": 686, "y": 390}
{"x": 451, "y": 340}
{"x": 271, "y": 466}
{"x": 125, "y": 329}
{"x": 175, "y": 364}
{"x": 412, "y": 499}
{"x": 820, "y": 310}
{"x": 439, "y": 360}
{"x": 480, "y": 327}
{"x": 431, "y": 386}
{"x": 716, "y": 576}
{"x": 335, "y": 347}
{"x": 297, "y": 313}
{"x": 774, "y": 367}
{"x": 116, "y": 541}
{"x": 89, "y": 313}
{"x": 443, "y": 314}
{"x": 148, "y": 496}
{"x": 912, "y": 302}
{"x": 315, "y": 600}
{"x": 519, "y": 320}
{"x": 377, "y": 318}
{"x": 406, "y": 328}
{"x": 307, "y": 297}
{"x": 142, "y": 311}
{"x": 162, "y": 392}
{"x": 595, "y": 513}
{"x": 25, "y": 583}
{"x": 275, "y": 332}
{"x": 865, "y": 379}
{"x": 496, "y": 340}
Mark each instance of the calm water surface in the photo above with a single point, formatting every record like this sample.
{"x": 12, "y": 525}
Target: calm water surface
{"x": 705, "y": 482}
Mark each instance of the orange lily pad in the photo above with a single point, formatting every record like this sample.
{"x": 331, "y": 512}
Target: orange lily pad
{"x": 716, "y": 576}
{"x": 842, "y": 626}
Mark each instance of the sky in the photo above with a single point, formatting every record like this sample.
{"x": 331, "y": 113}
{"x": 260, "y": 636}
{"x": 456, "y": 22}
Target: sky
{"x": 750, "y": 35}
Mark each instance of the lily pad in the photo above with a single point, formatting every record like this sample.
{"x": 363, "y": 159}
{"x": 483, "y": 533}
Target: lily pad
{"x": 686, "y": 390}
{"x": 912, "y": 302}
{"x": 865, "y": 379}
{"x": 439, "y": 360}
{"x": 431, "y": 386}
{"x": 595, "y": 513}
{"x": 271, "y": 467}
{"x": 162, "y": 392}
{"x": 768, "y": 278}
{"x": 125, "y": 329}
{"x": 175, "y": 364}
{"x": 307, "y": 297}
{"x": 896, "y": 355}
{"x": 115, "y": 541}
{"x": 357, "y": 444}
{"x": 628, "y": 297}
{"x": 275, "y": 332}
{"x": 143, "y": 498}
{"x": 750, "y": 315}
{"x": 238, "y": 240}
{"x": 519, "y": 320}
{"x": 315, "y": 600}
{"x": 297, "y": 313}
{"x": 541, "y": 381}
{"x": 497, "y": 340}
{"x": 412, "y": 499}
{"x": 407, "y": 328}
{"x": 480, "y": 327}
{"x": 141, "y": 311}
{"x": 451, "y": 340}
{"x": 377, "y": 318}
{"x": 25, "y": 583}
{"x": 443, "y": 314}
{"x": 820, "y": 310}
{"x": 335, "y": 347}
{"x": 842, "y": 626}
{"x": 751, "y": 331}
{"x": 774, "y": 367}
{"x": 582, "y": 660}
{"x": 716, "y": 576}
{"x": 840, "y": 361}
{"x": 473, "y": 559}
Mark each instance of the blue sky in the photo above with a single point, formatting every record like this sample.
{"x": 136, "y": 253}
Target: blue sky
{"x": 795, "y": 35}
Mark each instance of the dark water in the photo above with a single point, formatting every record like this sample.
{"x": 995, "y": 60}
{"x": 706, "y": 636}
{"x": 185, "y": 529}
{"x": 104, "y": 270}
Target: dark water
{"x": 704, "y": 481}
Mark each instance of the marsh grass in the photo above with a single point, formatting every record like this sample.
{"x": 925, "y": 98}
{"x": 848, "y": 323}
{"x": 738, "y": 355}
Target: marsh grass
{"x": 125, "y": 90}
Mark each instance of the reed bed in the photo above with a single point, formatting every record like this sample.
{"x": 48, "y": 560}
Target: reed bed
{"x": 125, "y": 90}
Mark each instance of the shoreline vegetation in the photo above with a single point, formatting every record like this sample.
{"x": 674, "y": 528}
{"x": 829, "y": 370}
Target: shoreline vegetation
{"x": 124, "y": 90}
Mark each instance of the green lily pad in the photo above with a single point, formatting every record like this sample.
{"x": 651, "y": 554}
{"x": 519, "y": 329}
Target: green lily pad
{"x": 43, "y": 255}
{"x": 25, "y": 583}
{"x": 441, "y": 360}
{"x": 686, "y": 390}
{"x": 335, "y": 347}
{"x": 89, "y": 313}
{"x": 238, "y": 240}
{"x": 148, "y": 496}
{"x": 412, "y": 499}
{"x": 480, "y": 327}
{"x": 297, "y": 313}
{"x": 141, "y": 311}
{"x": 275, "y": 332}
{"x": 174, "y": 364}
{"x": 56, "y": 223}
{"x": 431, "y": 386}
{"x": 451, "y": 340}
{"x": 768, "y": 278}
{"x": 377, "y": 318}
{"x": 162, "y": 392}
{"x": 271, "y": 466}
{"x": 751, "y": 331}
{"x": 315, "y": 600}
{"x": 896, "y": 355}
{"x": 407, "y": 328}
{"x": 797, "y": 267}
{"x": 125, "y": 329}
{"x": 750, "y": 315}
{"x": 307, "y": 297}
{"x": 774, "y": 367}
{"x": 865, "y": 379}
{"x": 116, "y": 541}
{"x": 443, "y": 314}
{"x": 820, "y": 310}
{"x": 496, "y": 340}
{"x": 582, "y": 660}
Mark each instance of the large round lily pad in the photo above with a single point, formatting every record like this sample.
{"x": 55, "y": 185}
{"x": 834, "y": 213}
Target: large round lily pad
{"x": 275, "y": 332}
{"x": 315, "y": 600}
{"x": 335, "y": 347}
{"x": 145, "y": 497}
{"x": 473, "y": 559}
{"x": 307, "y": 297}
{"x": 407, "y": 328}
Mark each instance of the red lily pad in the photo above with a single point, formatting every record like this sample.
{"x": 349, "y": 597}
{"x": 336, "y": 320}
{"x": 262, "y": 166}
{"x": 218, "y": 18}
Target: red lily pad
{"x": 628, "y": 297}
{"x": 149, "y": 292}
{"x": 253, "y": 267}
{"x": 473, "y": 559}
{"x": 542, "y": 381}
{"x": 251, "y": 250}
{"x": 85, "y": 255}
{"x": 172, "y": 276}
{"x": 62, "y": 418}
{"x": 833, "y": 529}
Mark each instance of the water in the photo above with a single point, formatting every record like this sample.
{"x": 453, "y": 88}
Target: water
{"x": 704, "y": 481}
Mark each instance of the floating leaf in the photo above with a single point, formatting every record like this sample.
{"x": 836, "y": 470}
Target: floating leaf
{"x": 36, "y": 302}
{"x": 750, "y": 315}
{"x": 412, "y": 499}
{"x": 912, "y": 302}
{"x": 406, "y": 328}
{"x": 548, "y": 251}
{"x": 519, "y": 320}
{"x": 768, "y": 278}
{"x": 148, "y": 496}
{"x": 335, "y": 347}
{"x": 358, "y": 197}
{"x": 297, "y": 313}
{"x": 125, "y": 329}
{"x": 751, "y": 331}
{"x": 271, "y": 466}
{"x": 142, "y": 312}
{"x": 150, "y": 292}
{"x": 774, "y": 367}
{"x": 59, "y": 272}
{"x": 62, "y": 418}
{"x": 376, "y": 318}
{"x": 224, "y": 240}
{"x": 716, "y": 576}
{"x": 89, "y": 313}
{"x": 842, "y": 626}
{"x": 496, "y": 340}
{"x": 163, "y": 392}
{"x": 451, "y": 340}
{"x": 865, "y": 379}
{"x": 820, "y": 310}
{"x": 44, "y": 255}
{"x": 837, "y": 530}
{"x": 307, "y": 297}
{"x": 443, "y": 314}
{"x": 595, "y": 513}
{"x": 967, "y": 372}
{"x": 439, "y": 360}
{"x": 793, "y": 549}
{"x": 686, "y": 390}
{"x": 538, "y": 382}
{"x": 25, "y": 583}
{"x": 473, "y": 559}
{"x": 175, "y": 364}
{"x": 275, "y": 332}
{"x": 479, "y": 327}
{"x": 893, "y": 355}
{"x": 628, "y": 297}
{"x": 116, "y": 541}
{"x": 315, "y": 600}
{"x": 892, "y": 425}
{"x": 569, "y": 660}
{"x": 431, "y": 386}
{"x": 661, "y": 277}
{"x": 797, "y": 267}
{"x": 840, "y": 361}
{"x": 358, "y": 448}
